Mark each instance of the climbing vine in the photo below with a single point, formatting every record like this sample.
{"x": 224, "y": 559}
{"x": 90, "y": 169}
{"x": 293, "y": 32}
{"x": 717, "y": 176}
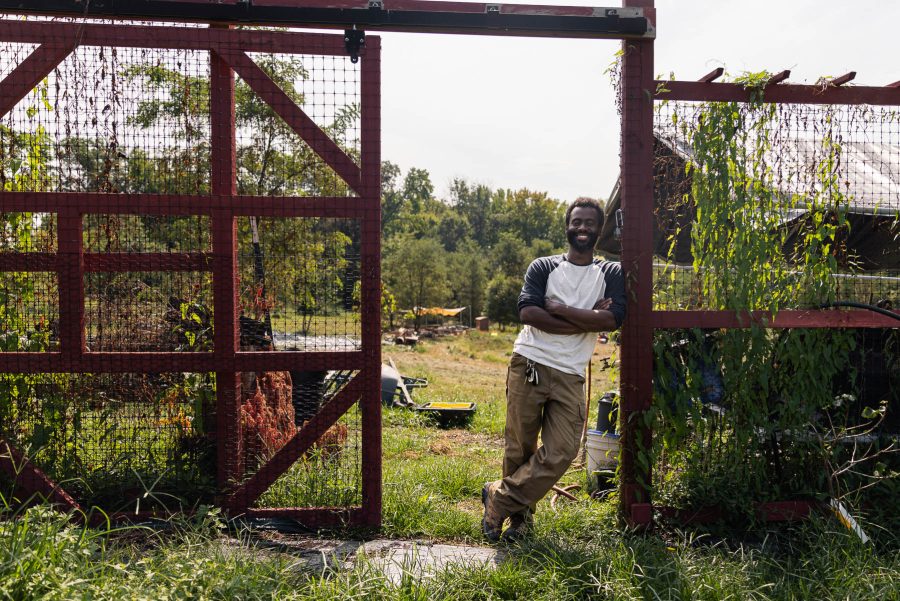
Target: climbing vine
{"x": 756, "y": 414}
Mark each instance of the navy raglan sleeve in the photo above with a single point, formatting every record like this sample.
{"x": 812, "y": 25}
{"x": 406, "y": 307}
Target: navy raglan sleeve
{"x": 535, "y": 289}
{"x": 615, "y": 290}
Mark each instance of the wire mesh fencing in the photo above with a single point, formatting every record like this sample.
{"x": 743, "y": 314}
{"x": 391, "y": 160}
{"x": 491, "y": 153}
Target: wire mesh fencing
{"x": 775, "y": 208}
{"x": 140, "y": 208}
{"x": 791, "y": 167}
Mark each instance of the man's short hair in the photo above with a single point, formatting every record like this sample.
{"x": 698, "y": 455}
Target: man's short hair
{"x": 584, "y": 201}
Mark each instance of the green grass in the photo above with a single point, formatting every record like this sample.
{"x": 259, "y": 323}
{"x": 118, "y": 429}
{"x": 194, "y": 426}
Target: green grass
{"x": 577, "y": 553}
{"x": 432, "y": 481}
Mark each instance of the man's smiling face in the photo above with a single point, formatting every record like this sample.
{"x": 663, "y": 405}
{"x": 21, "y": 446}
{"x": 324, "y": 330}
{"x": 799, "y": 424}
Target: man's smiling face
{"x": 583, "y": 229}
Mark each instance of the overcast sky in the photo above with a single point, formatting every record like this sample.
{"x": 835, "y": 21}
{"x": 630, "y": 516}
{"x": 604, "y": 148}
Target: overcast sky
{"x": 540, "y": 113}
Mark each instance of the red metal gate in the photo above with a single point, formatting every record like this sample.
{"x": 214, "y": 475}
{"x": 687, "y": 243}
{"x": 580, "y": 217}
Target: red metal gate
{"x": 219, "y": 210}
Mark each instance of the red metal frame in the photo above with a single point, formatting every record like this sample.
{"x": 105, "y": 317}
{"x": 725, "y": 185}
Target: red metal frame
{"x": 228, "y": 50}
{"x": 636, "y": 377}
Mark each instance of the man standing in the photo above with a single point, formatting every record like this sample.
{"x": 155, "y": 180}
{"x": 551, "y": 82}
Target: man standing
{"x": 565, "y": 301}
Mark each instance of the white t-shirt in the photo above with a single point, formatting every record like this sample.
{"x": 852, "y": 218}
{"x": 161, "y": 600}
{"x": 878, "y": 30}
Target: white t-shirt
{"x": 581, "y": 286}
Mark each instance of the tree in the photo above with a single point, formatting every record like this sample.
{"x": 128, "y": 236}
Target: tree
{"x": 416, "y": 272}
{"x": 540, "y": 248}
{"x": 417, "y": 188}
{"x": 510, "y": 256}
{"x": 531, "y": 216}
{"x": 475, "y": 204}
{"x": 453, "y": 229}
{"x": 392, "y": 198}
{"x": 468, "y": 277}
{"x": 503, "y": 298}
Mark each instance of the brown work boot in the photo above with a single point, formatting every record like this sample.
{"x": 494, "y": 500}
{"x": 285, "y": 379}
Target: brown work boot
{"x": 519, "y": 525}
{"x": 492, "y": 522}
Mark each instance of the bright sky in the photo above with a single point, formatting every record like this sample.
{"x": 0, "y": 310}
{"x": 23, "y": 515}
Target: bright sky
{"x": 540, "y": 113}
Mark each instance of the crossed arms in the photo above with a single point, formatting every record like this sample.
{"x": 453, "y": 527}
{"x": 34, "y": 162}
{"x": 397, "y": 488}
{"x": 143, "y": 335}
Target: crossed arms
{"x": 557, "y": 318}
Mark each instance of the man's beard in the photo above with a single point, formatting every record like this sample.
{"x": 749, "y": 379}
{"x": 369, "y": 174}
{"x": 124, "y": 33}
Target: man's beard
{"x": 580, "y": 246}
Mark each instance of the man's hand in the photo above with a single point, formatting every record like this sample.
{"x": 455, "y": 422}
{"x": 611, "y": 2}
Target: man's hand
{"x": 603, "y": 304}
{"x": 595, "y": 319}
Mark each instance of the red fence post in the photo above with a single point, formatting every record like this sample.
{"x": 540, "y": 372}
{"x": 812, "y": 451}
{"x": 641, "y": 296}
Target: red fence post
{"x": 70, "y": 282}
{"x": 370, "y": 307}
{"x": 636, "y": 376}
{"x": 223, "y": 159}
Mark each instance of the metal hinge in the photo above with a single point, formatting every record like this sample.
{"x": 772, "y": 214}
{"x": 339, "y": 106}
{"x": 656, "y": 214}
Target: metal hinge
{"x": 354, "y": 42}
{"x": 620, "y": 223}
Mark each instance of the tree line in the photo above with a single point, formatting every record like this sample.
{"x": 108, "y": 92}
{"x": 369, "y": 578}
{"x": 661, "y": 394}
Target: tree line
{"x": 469, "y": 249}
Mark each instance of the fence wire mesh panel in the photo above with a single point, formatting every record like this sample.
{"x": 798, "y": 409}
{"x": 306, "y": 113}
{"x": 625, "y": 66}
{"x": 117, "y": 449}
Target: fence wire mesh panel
{"x": 792, "y": 166}
{"x": 190, "y": 269}
{"x": 110, "y": 439}
{"x": 310, "y": 299}
{"x": 764, "y": 210}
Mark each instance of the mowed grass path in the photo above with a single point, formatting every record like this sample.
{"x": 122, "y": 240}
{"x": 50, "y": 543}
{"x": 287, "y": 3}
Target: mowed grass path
{"x": 432, "y": 481}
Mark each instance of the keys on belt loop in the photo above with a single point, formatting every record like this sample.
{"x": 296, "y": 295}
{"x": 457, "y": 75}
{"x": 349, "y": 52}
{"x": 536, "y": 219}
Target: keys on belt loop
{"x": 531, "y": 373}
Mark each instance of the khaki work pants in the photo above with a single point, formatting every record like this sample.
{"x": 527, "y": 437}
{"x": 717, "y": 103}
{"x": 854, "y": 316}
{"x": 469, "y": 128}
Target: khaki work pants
{"x": 555, "y": 410}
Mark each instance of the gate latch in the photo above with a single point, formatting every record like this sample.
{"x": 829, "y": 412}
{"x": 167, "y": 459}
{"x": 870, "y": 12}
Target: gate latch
{"x": 620, "y": 222}
{"x": 354, "y": 42}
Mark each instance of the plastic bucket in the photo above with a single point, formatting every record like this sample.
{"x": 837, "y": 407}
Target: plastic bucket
{"x": 602, "y": 451}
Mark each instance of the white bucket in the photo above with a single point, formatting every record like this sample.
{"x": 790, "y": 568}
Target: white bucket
{"x": 602, "y": 451}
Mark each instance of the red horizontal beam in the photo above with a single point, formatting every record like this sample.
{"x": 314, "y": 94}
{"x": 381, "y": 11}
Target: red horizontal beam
{"x": 776, "y": 511}
{"x": 785, "y": 511}
{"x": 785, "y": 93}
{"x": 182, "y": 38}
{"x": 320, "y": 517}
{"x": 663, "y": 320}
{"x": 148, "y": 262}
{"x": 15, "y": 261}
{"x": 187, "y": 204}
{"x": 704, "y": 515}
{"x": 324, "y": 517}
{"x": 143, "y": 362}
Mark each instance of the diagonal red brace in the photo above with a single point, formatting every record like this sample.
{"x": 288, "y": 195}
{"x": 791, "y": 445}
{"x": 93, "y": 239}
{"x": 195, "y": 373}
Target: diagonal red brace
{"x": 31, "y": 71}
{"x": 294, "y": 116}
{"x": 33, "y": 480}
{"x": 295, "y": 447}
{"x": 839, "y": 81}
{"x": 779, "y": 77}
{"x": 712, "y": 75}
